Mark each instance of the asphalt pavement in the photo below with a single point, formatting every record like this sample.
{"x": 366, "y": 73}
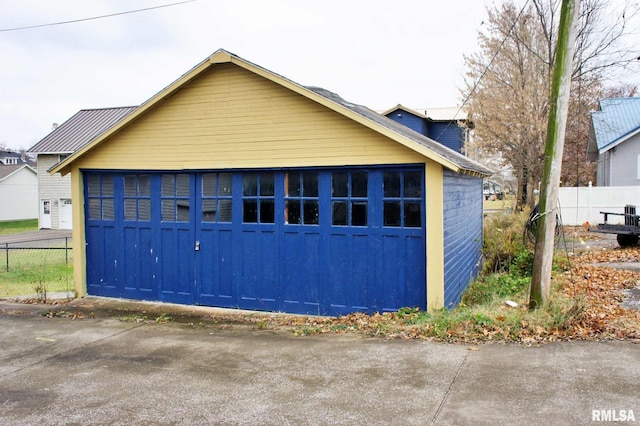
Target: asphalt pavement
{"x": 61, "y": 371}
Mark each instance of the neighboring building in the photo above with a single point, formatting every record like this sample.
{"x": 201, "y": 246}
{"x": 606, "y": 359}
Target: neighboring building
{"x": 54, "y": 191}
{"x": 236, "y": 187}
{"x": 445, "y": 125}
{"x": 18, "y": 192}
{"x": 614, "y": 141}
{"x": 10, "y": 158}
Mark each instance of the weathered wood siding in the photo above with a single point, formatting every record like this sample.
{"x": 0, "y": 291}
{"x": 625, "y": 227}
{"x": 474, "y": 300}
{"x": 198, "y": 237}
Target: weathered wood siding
{"x": 462, "y": 234}
{"x": 227, "y": 112}
{"x": 52, "y": 187}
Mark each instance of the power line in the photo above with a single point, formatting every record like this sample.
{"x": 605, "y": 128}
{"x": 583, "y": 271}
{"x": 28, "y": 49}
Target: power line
{"x": 475, "y": 86}
{"x": 94, "y": 17}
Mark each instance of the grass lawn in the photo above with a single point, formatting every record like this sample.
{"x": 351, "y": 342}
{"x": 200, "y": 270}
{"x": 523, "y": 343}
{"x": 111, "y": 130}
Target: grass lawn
{"x": 33, "y": 280}
{"x": 33, "y": 271}
{"x": 17, "y": 226}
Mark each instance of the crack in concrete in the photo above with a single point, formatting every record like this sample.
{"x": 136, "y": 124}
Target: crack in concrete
{"x": 448, "y": 392}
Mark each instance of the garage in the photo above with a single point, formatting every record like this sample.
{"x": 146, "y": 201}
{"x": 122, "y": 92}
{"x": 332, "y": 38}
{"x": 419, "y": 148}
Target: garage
{"x": 311, "y": 241}
{"x": 236, "y": 187}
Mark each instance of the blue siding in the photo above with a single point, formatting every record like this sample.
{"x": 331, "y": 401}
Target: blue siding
{"x": 462, "y": 234}
{"x": 414, "y": 122}
{"x": 448, "y": 134}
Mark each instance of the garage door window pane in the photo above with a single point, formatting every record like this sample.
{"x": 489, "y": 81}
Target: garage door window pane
{"x": 339, "y": 184}
{"x": 216, "y": 197}
{"x": 258, "y": 197}
{"x": 144, "y": 210}
{"x": 392, "y": 213}
{"x": 413, "y": 184}
{"x": 350, "y": 203}
{"x": 94, "y": 185}
{"x": 209, "y": 210}
{"x": 168, "y": 210}
{"x": 301, "y": 198}
{"x": 250, "y": 211}
{"x": 310, "y": 212}
{"x": 107, "y": 209}
{"x": 358, "y": 213}
{"x": 339, "y": 213}
{"x": 391, "y": 184}
{"x": 100, "y": 197}
{"x": 176, "y": 197}
{"x": 402, "y": 203}
{"x": 130, "y": 186}
{"x": 95, "y": 212}
{"x": 359, "y": 184}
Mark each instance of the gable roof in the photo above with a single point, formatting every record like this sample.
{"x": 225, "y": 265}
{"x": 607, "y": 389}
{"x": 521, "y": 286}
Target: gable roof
{"x": 369, "y": 118}
{"x": 79, "y": 130}
{"x": 6, "y": 171}
{"x": 433, "y": 114}
{"x": 617, "y": 120}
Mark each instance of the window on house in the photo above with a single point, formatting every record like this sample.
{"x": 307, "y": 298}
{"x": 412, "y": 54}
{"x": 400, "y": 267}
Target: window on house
{"x": 175, "y": 197}
{"x": 349, "y": 198}
{"x": 100, "y": 197}
{"x": 402, "y": 199}
{"x": 301, "y": 198}
{"x": 137, "y": 198}
{"x": 216, "y": 197}
{"x": 62, "y": 157}
{"x": 258, "y": 197}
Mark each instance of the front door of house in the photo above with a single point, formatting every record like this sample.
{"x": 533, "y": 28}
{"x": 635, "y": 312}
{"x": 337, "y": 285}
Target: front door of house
{"x": 45, "y": 214}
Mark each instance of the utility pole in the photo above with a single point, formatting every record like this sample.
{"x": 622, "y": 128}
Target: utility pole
{"x": 559, "y": 105}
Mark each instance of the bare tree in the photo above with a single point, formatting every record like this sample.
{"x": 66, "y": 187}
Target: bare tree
{"x": 509, "y": 83}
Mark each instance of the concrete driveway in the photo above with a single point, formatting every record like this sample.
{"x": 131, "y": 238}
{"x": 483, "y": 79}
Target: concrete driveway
{"x": 59, "y": 371}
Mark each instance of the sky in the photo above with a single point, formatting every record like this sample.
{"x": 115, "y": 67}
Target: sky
{"x": 371, "y": 52}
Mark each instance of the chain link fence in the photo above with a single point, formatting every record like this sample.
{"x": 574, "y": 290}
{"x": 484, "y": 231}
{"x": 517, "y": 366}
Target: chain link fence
{"x": 36, "y": 254}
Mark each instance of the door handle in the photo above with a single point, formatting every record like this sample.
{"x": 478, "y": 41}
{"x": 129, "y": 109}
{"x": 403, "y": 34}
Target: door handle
{"x": 197, "y": 247}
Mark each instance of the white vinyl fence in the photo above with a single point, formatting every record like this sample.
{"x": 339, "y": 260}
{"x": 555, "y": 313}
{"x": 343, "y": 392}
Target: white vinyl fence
{"x": 584, "y": 204}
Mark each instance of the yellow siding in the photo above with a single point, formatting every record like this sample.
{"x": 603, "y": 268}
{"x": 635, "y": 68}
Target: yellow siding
{"x": 231, "y": 118}
{"x": 435, "y": 235}
{"x": 78, "y": 234}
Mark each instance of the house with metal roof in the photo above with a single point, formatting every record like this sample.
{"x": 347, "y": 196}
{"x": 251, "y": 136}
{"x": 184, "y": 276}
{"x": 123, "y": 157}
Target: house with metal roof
{"x": 449, "y": 126}
{"x": 54, "y": 191}
{"x": 614, "y": 141}
{"x": 237, "y": 187}
{"x": 18, "y": 192}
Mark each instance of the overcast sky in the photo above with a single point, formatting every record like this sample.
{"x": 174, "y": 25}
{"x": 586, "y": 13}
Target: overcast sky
{"x": 371, "y": 52}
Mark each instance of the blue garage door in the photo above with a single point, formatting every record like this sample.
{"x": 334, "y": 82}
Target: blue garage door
{"x": 314, "y": 241}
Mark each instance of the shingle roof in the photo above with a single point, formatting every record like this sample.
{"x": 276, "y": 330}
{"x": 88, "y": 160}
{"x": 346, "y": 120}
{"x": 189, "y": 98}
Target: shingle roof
{"x": 434, "y": 114}
{"x": 617, "y": 120}
{"x": 401, "y": 134}
{"x": 464, "y": 162}
{"x": 6, "y": 171}
{"x": 80, "y": 129}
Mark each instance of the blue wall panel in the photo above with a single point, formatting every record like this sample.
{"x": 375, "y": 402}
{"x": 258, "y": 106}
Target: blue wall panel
{"x": 462, "y": 234}
{"x": 448, "y": 134}
{"x": 412, "y": 121}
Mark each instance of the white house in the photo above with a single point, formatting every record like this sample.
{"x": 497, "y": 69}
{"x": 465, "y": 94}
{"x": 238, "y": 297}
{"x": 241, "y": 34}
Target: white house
{"x": 614, "y": 141}
{"x": 54, "y": 191}
{"x": 18, "y": 192}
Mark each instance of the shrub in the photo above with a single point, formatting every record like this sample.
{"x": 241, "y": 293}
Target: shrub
{"x": 503, "y": 241}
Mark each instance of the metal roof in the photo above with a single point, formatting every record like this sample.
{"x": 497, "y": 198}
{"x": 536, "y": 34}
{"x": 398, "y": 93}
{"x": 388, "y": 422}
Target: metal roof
{"x": 616, "y": 121}
{"x": 79, "y": 130}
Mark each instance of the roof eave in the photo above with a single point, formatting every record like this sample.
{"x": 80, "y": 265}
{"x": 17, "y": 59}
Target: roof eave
{"x": 221, "y": 56}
